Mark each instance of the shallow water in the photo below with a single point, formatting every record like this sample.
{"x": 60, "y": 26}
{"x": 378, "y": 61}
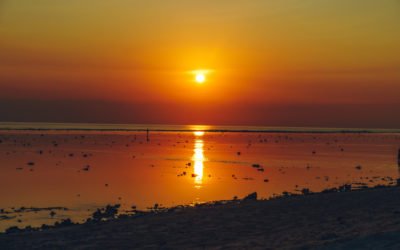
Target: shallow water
{"x": 84, "y": 170}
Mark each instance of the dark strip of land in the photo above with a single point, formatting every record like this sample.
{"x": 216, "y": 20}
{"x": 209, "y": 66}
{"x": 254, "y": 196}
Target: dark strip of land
{"x": 365, "y": 219}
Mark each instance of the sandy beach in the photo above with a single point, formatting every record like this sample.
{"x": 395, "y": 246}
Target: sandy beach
{"x": 365, "y": 219}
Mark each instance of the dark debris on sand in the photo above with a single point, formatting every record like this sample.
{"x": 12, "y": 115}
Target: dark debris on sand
{"x": 337, "y": 220}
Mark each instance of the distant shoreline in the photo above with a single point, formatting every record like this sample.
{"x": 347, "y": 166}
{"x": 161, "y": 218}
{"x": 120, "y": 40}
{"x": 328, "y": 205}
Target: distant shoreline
{"x": 11, "y": 126}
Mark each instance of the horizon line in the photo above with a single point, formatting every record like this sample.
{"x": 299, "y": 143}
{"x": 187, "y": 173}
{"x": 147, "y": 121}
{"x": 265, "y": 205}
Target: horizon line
{"x": 71, "y": 126}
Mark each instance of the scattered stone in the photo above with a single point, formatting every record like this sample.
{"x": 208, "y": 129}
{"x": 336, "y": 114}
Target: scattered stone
{"x": 109, "y": 212}
{"x": 12, "y": 230}
{"x": 251, "y": 197}
{"x": 305, "y": 191}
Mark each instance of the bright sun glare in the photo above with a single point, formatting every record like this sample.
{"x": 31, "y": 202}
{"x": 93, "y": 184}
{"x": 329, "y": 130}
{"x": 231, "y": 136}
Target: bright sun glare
{"x": 200, "y": 77}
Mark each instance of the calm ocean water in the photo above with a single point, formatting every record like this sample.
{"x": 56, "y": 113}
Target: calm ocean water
{"x": 50, "y": 172}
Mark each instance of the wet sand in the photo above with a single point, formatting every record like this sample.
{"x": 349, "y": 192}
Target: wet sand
{"x": 364, "y": 219}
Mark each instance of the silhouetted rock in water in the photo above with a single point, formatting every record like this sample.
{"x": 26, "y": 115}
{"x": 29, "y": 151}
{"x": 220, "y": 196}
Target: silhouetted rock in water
{"x": 87, "y": 168}
{"x": 251, "y": 197}
{"x": 256, "y": 166}
{"x": 238, "y": 153}
{"x": 345, "y": 188}
{"x": 194, "y": 175}
{"x": 52, "y": 213}
{"x": 31, "y": 163}
{"x": 44, "y": 227}
{"x": 64, "y": 223}
{"x": 359, "y": 167}
{"x": 266, "y": 180}
{"x": 109, "y": 212}
{"x": 189, "y": 164}
{"x": 12, "y": 230}
{"x": 305, "y": 191}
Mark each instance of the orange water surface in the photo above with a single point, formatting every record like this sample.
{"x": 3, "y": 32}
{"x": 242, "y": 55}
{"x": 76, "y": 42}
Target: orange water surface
{"x": 85, "y": 170}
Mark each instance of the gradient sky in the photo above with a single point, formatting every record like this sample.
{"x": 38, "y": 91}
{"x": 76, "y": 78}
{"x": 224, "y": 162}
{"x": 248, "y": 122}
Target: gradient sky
{"x": 331, "y": 63}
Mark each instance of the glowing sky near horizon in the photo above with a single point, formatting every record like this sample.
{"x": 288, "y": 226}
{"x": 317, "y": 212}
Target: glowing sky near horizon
{"x": 287, "y": 62}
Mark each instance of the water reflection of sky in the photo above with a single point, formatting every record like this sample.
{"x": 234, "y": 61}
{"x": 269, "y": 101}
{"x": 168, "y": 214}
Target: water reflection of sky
{"x": 127, "y": 170}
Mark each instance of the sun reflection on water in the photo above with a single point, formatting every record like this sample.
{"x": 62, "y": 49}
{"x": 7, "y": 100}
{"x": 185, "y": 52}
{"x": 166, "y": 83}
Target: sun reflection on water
{"x": 198, "y": 158}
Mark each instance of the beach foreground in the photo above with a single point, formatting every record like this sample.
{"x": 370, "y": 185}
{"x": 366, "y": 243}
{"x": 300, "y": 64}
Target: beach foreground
{"x": 359, "y": 219}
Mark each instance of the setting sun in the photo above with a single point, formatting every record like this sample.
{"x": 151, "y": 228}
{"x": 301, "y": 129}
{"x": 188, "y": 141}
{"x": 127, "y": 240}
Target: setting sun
{"x": 200, "y": 78}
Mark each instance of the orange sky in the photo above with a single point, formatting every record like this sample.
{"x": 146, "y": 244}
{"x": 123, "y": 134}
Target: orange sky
{"x": 286, "y": 63}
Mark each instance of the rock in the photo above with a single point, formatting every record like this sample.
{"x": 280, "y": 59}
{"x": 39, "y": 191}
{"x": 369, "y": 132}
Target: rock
{"x": 305, "y": 191}
{"x": 109, "y": 213}
{"x": 251, "y": 197}
{"x": 12, "y": 230}
{"x": 345, "y": 188}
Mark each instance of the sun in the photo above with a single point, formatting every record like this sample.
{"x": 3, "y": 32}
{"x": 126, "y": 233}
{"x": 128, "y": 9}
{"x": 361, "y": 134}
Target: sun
{"x": 200, "y": 78}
